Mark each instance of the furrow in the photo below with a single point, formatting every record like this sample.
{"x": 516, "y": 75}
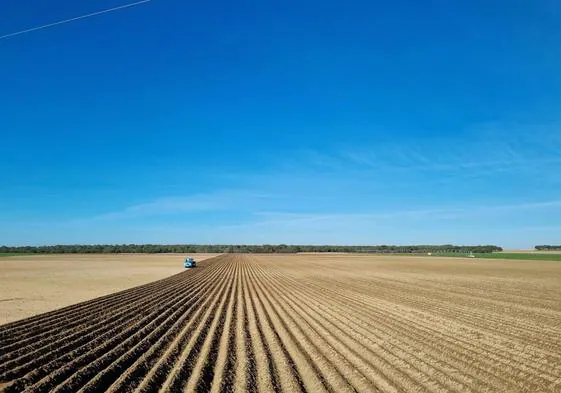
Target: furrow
{"x": 53, "y": 347}
{"x": 149, "y": 376}
{"x": 384, "y": 313}
{"x": 293, "y": 339}
{"x": 132, "y": 363}
{"x": 57, "y": 322}
{"x": 333, "y": 328}
{"x": 223, "y": 379}
{"x": 182, "y": 367}
{"x": 497, "y": 356}
{"x": 202, "y": 375}
{"x": 241, "y": 375}
{"x": 302, "y": 323}
{"x": 331, "y": 356}
{"x": 476, "y": 311}
{"x": 263, "y": 363}
{"x": 50, "y": 321}
{"x": 57, "y": 371}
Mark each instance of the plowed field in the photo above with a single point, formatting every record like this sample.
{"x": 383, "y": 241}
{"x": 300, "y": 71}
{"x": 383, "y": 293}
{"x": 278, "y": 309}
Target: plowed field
{"x": 303, "y": 323}
{"x": 34, "y": 284}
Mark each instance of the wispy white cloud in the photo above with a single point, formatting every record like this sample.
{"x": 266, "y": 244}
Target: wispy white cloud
{"x": 430, "y": 213}
{"x": 216, "y": 201}
{"x": 448, "y": 224}
{"x": 415, "y": 191}
{"x": 486, "y": 151}
{"x": 170, "y": 205}
{"x": 522, "y": 206}
{"x": 459, "y": 225}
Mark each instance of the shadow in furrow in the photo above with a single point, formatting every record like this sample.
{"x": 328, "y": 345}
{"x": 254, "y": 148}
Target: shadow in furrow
{"x": 292, "y": 364}
{"x": 230, "y": 372}
{"x": 207, "y": 373}
{"x": 189, "y": 363}
{"x": 272, "y": 369}
{"x": 251, "y": 366}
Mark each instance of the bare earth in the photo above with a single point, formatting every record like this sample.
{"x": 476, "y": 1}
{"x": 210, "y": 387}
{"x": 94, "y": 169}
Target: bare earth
{"x": 294, "y": 323}
{"x": 30, "y": 285}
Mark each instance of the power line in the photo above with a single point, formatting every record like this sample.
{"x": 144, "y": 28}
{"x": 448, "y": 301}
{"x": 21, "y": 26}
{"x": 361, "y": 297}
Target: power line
{"x": 73, "y": 19}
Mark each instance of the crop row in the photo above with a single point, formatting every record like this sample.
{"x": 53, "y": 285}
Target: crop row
{"x": 242, "y": 323}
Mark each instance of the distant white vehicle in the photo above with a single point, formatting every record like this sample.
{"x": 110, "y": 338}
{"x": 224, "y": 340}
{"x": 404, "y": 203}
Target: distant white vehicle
{"x": 471, "y": 255}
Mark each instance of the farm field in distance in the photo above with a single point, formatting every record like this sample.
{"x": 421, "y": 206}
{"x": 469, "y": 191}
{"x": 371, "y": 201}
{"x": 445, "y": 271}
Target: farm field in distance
{"x": 314, "y": 323}
{"x": 33, "y": 284}
{"x": 522, "y": 256}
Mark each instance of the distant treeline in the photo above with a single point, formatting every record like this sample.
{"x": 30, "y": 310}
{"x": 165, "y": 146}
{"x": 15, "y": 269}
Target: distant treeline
{"x": 219, "y": 248}
{"x": 546, "y": 247}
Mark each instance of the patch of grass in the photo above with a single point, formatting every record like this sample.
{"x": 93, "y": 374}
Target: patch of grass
{"x": 522, "y": 256}
{"x": 506, "y": 255}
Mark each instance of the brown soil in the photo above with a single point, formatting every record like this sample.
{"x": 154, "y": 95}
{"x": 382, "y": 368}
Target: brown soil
{"x": 316, "y": 323}
{"x": 31, "y": 285}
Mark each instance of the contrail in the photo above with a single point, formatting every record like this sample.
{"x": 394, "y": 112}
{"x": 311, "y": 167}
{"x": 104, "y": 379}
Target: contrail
{"x": 73, "y": 19}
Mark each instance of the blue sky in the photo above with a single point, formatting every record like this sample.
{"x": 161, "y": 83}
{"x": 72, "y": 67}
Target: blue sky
{"x": 281, "y": 122}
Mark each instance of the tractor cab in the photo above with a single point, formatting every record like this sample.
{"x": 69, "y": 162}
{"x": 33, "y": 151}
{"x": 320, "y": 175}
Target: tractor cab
{"x": 189, "y": 263}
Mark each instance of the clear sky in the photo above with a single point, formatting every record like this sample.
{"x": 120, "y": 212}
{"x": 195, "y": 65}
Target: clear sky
{"x": 339, "y": 122}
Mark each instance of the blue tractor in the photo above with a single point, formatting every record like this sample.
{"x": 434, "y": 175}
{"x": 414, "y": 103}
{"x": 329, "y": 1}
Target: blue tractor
{"x": 189, "y": 263}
